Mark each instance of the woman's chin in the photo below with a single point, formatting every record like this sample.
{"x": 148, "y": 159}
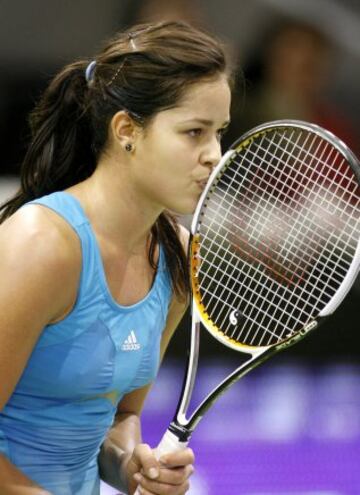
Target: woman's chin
{"x": 187, "y": 210}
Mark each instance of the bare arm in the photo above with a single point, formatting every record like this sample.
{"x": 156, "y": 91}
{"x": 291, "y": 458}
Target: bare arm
{"x": 36, "y": 261}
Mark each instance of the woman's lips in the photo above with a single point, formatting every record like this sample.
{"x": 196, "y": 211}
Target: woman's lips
{"x": 202, "y": 183}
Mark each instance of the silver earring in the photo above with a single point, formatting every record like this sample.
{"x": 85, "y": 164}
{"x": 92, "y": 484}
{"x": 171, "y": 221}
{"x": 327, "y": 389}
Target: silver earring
{"x": 128, "y": 147}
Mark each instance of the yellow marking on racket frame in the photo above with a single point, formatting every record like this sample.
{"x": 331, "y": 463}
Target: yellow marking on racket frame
{"x": 250, "y": 140}
{"x": 210, "y": 325}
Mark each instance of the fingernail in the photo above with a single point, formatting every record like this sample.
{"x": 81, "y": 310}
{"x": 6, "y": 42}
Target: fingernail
{"x": 153, "y": 473}
{"x": 137, "y": 477}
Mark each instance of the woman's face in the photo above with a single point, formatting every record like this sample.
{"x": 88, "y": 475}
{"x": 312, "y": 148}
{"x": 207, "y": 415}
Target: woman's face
{"x": 179, "y": 148}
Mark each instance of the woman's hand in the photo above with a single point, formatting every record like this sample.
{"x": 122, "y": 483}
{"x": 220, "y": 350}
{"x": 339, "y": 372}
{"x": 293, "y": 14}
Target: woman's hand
{"x": 167, "y": 476}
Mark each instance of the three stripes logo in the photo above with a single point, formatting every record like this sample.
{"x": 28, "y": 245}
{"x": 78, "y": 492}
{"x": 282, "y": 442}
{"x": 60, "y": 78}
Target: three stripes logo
{"x": 130, "y": 343}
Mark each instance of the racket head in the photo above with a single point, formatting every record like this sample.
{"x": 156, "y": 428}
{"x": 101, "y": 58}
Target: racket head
{"x": 275, "y": 237}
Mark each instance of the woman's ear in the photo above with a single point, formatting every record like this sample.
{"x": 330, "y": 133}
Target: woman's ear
{"x": 123, "y": 130}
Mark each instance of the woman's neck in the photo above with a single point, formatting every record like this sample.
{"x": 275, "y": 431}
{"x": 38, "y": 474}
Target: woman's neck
{"x": 116, "y": 211}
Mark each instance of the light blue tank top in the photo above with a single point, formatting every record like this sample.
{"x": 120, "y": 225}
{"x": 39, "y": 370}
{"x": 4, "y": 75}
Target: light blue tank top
{"x": 57, "y": 417}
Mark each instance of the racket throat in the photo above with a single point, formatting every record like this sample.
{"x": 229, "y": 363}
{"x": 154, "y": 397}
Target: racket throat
{"x": 181, "y": 432}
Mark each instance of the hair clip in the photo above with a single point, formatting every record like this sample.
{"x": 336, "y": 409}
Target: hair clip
{"x": 89, "y": 71}
{"x": 131, "y": 37}
{"x": 116, "y": 73}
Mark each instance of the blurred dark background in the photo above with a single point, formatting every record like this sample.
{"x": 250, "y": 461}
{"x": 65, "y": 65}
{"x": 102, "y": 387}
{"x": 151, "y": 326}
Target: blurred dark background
{"x": 299, "y": 59}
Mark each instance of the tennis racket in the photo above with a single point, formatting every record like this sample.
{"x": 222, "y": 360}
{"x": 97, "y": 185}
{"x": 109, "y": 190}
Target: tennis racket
{"x": 274, "y": 249}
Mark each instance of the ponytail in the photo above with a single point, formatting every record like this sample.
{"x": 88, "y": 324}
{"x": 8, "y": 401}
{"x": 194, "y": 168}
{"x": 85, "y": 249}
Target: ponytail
{"x": 60, "y": 152}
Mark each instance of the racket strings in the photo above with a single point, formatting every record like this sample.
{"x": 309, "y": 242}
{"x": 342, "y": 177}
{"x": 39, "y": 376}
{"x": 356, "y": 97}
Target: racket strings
{"x": 292, "y": 236}
{"x": 323, "y": 209}
{"x": 257, "y": 216}
{"x": 251, "y": 206}
{"x": 285, "y": 207}
{"x": 304, "y": 152}
{"x": 335, "y": 207}
{"x": 276, "y": 233}
{"x": 224, "y": 306}
{"x": 284, "y": 252}
{"x": 249, "y": 283}
{"x": 217, "y": 265}
{"x": 268, "y": 177}
{"x": 332, "y": 206}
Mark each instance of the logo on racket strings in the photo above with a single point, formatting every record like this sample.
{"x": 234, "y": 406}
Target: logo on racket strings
{"x": 235, "y": 317}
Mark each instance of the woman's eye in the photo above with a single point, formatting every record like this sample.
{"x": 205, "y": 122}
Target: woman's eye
{"x": 221, "y": 132}
{"x": 195, "y": 132}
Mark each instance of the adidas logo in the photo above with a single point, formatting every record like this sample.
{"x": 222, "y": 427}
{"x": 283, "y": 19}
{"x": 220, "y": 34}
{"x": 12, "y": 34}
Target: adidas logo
{"x": 130, "y": 343}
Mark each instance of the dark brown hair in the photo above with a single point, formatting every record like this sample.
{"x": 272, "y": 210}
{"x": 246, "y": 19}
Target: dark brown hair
{"x": 143, "y": 70}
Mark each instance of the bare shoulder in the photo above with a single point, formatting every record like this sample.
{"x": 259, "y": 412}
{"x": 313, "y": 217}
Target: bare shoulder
{"x": 41, "y": 233}
{"x": 39, "y": 250}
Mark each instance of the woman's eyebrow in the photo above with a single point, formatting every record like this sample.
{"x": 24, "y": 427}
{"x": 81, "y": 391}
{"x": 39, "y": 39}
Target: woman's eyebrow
{"x": 205, "y": 122}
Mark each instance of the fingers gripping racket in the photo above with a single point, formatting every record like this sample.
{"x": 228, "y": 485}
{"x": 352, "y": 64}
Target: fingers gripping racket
{"x": 275, "y": 248}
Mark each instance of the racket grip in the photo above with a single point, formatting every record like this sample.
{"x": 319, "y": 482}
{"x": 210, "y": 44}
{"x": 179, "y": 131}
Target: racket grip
{"x": 168, "y": 443}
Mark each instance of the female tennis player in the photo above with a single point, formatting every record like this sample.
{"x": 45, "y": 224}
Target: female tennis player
{"x": 94, "y": 263}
